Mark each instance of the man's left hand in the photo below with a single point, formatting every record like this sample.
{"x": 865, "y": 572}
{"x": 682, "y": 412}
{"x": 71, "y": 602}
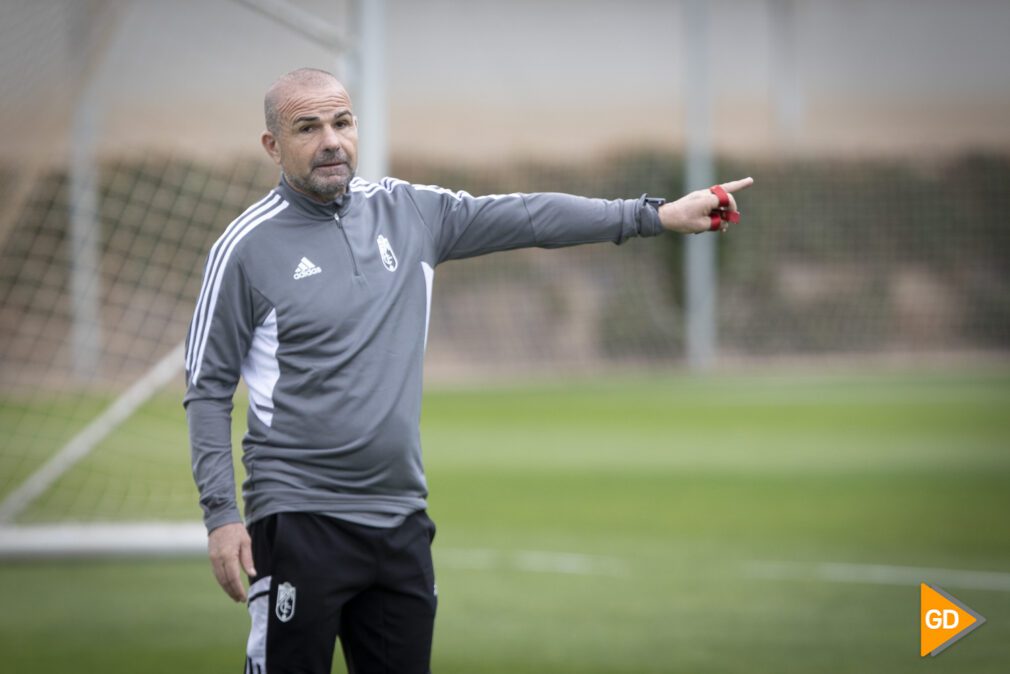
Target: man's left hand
{"x": 691, "y": 213}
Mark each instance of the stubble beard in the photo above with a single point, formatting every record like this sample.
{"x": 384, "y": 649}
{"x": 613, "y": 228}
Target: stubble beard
{"x": 324, "y": 188}
{"x": 320, "y": 188}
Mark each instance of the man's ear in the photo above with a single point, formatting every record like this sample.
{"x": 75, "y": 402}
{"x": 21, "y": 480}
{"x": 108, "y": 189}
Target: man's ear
{"x": 271, "y": 146}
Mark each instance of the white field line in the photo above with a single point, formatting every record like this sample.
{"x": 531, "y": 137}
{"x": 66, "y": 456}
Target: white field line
{"x": 190, "y": 538}
{"x": 878, "y": 574}
{"x": 534, "y": 561}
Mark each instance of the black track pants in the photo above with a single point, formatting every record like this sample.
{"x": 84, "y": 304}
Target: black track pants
{"x": 321, "y": 577}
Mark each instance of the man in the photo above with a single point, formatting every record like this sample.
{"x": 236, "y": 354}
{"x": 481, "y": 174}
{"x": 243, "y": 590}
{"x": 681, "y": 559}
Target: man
{"x": 319, "y": 297}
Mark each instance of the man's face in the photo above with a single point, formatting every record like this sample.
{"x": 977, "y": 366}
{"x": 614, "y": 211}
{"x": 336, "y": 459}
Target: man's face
{"x": 316, "y": 143}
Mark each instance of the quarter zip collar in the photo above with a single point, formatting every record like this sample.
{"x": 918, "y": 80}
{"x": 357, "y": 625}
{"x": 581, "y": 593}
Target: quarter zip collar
{"x": 311, "y": 207}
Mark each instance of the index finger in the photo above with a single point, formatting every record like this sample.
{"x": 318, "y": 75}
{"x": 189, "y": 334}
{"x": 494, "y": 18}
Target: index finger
{"x": 737, "y": 185}
{"x": 230, "y": 578}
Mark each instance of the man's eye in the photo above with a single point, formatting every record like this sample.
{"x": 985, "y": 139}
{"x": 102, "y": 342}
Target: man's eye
{"x": 305, "y": 129}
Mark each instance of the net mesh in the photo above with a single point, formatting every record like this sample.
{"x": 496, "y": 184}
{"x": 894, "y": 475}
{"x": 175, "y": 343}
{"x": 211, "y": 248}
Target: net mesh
{"x": 856, "y": 257}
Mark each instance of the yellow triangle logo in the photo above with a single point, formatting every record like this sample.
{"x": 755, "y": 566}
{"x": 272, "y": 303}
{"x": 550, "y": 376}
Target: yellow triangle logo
{"x": 942, "y": 620}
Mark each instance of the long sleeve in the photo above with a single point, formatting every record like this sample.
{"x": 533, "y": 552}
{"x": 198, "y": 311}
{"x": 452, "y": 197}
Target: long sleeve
{"x": 466, "y": 226}
{"x": 218, "y": 340}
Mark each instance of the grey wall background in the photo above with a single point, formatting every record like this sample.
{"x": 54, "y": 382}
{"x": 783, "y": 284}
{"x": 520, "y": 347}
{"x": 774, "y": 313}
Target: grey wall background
{"x": 485, "y": 81}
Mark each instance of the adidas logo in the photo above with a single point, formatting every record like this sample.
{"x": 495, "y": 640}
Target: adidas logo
{"x": 306, "y": 268}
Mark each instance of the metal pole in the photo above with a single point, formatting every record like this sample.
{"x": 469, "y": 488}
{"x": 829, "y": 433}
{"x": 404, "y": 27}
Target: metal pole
{"x": 85, "y": 228}
{"x": 786, "y": 93}
{"x": 699, "y": 253}
{"x": 85, "y": 236}
{"x": 297, "y": 19}
{"x": 367, "y": 79}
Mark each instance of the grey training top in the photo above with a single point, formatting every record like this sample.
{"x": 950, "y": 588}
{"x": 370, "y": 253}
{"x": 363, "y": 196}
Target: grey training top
{"x": 323, "y": 310}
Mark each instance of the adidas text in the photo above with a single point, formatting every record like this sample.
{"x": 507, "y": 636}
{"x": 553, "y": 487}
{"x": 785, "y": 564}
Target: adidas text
{"x": 306, "y": 268}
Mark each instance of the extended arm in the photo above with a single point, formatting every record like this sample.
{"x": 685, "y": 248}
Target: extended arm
{"x": 465, "y": 226}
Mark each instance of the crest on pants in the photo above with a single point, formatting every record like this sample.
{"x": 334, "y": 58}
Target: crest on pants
{"x": 285, "y": 608}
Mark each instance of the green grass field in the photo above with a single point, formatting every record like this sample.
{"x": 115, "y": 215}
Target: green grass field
{"x": 671, "y": 524}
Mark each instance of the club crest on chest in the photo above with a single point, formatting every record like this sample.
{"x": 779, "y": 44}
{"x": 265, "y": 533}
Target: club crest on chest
{"x": 386, "y": 253}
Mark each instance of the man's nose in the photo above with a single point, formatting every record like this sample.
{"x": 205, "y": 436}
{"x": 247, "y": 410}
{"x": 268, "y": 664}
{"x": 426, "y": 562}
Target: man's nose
{"x": 331, "y": 139}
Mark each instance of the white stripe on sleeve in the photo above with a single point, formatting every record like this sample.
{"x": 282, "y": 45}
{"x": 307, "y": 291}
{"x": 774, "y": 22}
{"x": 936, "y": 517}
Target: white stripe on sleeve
{"x": 213, "y": 260}
{"x": 216, "y": 287}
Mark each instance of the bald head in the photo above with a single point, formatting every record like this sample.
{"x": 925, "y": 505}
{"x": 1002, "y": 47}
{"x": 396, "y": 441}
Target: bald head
{"x": 288, "y": 85}
{"x": 311, "y": 133}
